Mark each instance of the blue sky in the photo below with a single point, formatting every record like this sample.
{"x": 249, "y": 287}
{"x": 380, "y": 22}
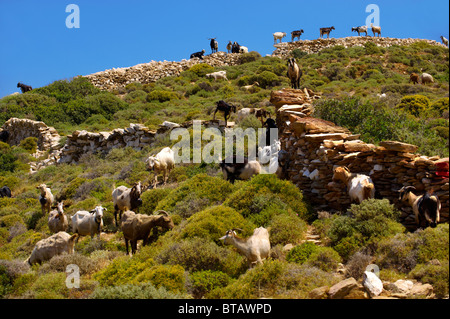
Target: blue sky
{"x": 37, "y": 48}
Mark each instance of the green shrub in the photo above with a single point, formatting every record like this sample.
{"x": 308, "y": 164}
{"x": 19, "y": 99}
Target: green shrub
{"x": 170, "y": 277}
{"x": 300, "y": 254}
{"x": 324, "y": 258}
{"x": 435, "y": 274}
{"x": 29, "y": 144}
{"x": 267, "y": 79}
{"x": 287, "y": 228}
{"x": 202, "y": 282}
{"x": 6, "y": 282}
{"x": 151, "y": 198}
{"x": 134, "y": 291}
{"x": 201, "y": 69}
{"x": 49, "y": 286}
{"x": 440, "y": 105}
{"x": 414, "y": 104}
{"x": 213, "y": 222}
{"x": 161, "y": 96}
{"x": 249, "y": 57}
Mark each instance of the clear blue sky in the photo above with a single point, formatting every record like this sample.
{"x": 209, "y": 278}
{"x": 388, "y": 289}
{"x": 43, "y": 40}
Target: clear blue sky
{"x": 37, "y": 48}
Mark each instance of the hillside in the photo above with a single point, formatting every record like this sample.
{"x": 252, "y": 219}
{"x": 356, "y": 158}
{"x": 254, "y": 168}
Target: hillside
{"x": 189, "y": 261}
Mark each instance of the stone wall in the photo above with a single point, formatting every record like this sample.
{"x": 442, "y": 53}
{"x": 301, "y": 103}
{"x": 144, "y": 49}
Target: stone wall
{"x": 313, "y": 46}
{"x": 316, "y": 146}
{"x": 144, "y": 73}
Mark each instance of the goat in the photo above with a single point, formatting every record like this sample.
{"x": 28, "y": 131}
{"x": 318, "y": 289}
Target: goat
{"x": 444, "y": 40}
{"x": 198, "y": 55}
{"x": 213, "y": 44}
{"x": 243, "y": 49}
{"x": 46, "y": 198}
{"x": 283, "y": 164}
{"x": 218, "y": 75}
{"x": 56, "y": 244}
{"x": 256, "y": 247}
{"x": 294, "y": 73}
{"x": 360, "y": 29}
{"x": 426, "y": 78}
{"x": 233, "y": 171}
{"x": 86, "y": 223}
{"x": 125, "y": 198}
{"x": 138, "y": 227}
{"x": 5, "y": 191}
{"x": 296, "y": 34}
{"x": 270, "y": 124}
{"x": 359, "y": 186}
{"x": 414, "y": 78}
{"x": 4, "y": 136}
{"x": 23, "y": 87}
{"x": 235, "y": 47}
{"x": 250, "y": 88}
{"x": 222, "y": 106}
{"x": 57, "y": 220}
{"x": 425, "y": 207}
{"x": 229, "y": 46}
{"x": 163, "y": 162}
{"x": 278, "y": 36}
{"x": 326, "y": 31}
{"x": 375, "y": 30}
{"x": 259, "y": 113}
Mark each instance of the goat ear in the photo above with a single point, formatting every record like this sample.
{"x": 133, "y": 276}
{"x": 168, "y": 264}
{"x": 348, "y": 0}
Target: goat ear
{"x": 223, "y": 237}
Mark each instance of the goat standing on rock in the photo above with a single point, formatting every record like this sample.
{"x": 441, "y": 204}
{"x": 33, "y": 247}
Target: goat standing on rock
{"x": 222, "y": 106}
{"x": 326, "y": 31}
{"x": 213, "y": 44}
{"x": 425, "y": 207}
{"x": 294, "y": 73}
{"x": 359, "y": 186}
{"x": 256, "y": 248}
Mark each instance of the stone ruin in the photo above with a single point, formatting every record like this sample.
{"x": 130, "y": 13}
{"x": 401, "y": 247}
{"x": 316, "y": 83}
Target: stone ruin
{"x": 315, "y": 146}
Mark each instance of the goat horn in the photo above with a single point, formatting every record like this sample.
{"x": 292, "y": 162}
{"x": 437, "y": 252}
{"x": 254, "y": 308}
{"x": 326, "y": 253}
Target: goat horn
{"x": 239, "y": 229}
{"x": 162, "y": 212}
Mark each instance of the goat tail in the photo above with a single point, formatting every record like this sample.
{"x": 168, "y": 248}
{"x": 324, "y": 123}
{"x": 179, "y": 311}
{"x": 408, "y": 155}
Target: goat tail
{"x": 369, "y": 190}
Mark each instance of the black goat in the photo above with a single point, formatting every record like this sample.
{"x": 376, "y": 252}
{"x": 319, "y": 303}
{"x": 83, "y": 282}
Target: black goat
{"x": 360, "y": 30}
{"x": 235, "y": 48}
{"x": 233, "y": 171}
{"x": 268, "y": 124}
{"x": 23, "y": 87}
{"x": 214, "y": 45}
{"x": 4, "y": 135}
{"x": 5, "y": 192}
{"x": 326, "y": 31}
{"x": 222, "y": 106}
{"x": 198, "y": 55}
{"x": 425, "y": 207}
{"x": 296, "y": 34}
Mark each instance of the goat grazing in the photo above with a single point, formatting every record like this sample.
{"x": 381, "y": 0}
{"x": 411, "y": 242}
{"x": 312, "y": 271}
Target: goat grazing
{"x": 326, "y": 31}
{"x": 138, "y": 227}
{"x": 57, "y": 220}
{"x": 229, "y": 46}
{"x": 125, "y": 198}
{"x": 5, "y": 192}
{"x": 414, "y": 78}
{"x": 23, "y": 87}
{"x": 163, "y": 162}
{"x": 218, "y": 75}
{"x": 359, "y": 186}
{"x": 294, "y": 73}
{"x": 222, "y": 106}
{"x": 86, "y": 223}
{"x": 56, "y": 244}
{"x": 246, "y": 111}
{"x": 239, "y": 171}
{"x": 278, "y": 36}
{"x": 46, "y": 198}
{"x": 444, "y": 40}
{"x": 425, "y": 207}
{"x": 213, "y": 44}
{"x": 256, "y": 247}
{"x": 296, "y": 34}
{"x": 426, "y": 78}
{"x": 198, "y": 55}
{"x": 360, "y": 29}
{"x": 375, "y": 30}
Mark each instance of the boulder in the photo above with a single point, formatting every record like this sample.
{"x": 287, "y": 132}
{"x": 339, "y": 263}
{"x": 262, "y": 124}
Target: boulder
{"x": 342, "y": 288}
{"x": 372, "y": 283}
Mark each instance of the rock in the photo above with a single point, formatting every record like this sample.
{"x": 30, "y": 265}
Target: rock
{"x": 399, "y": 147}
{"x": 420, "y": 290}
{"x": 342, "y": 288}
{"x": 319, "y": 293}
{"x": 372, "y": 283}
{"x": 401, "y": 286}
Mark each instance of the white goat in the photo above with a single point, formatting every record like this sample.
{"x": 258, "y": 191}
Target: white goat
{"x": 256, "y": 248}
{"x": 241, "y": 171}
{"x": 359, "y": 186}
{"x": 125, "y": 198}
{"x": 88, "y": 223}
{"x": 57, "y": 220}
{"x": 46, "y": 198}
{"x": 426, "y": 78}
{"x": 250, "y": 87}
{"x": 278, "y": 36}
{"x": 426, "y": 207}
{"x": 243, "y": 49}
{"x": 163, "y": 162}
{"x": 217, "y": 75}
{"x": 56, "y": 244}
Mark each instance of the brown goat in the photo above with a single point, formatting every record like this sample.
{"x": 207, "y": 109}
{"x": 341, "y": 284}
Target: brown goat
{"x": 414, "y": 77}
{"x": 138, "y": 227}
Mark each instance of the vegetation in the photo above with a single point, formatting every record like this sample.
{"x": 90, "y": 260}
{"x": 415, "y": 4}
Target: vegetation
{"x": 190, "y": 261}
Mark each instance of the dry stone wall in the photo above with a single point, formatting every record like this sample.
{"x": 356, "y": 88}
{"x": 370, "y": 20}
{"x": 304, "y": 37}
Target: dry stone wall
{"x": 313, "y": 46}
{"x": 316, "y": 146}
{"x": 144, "y": 73}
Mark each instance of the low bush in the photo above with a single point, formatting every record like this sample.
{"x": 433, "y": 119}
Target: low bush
{"x": 134, "y": 291}
{"x": 202, "y": 282}
{"x": 300, "y": 254}
{"x": 414, "y": 104}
